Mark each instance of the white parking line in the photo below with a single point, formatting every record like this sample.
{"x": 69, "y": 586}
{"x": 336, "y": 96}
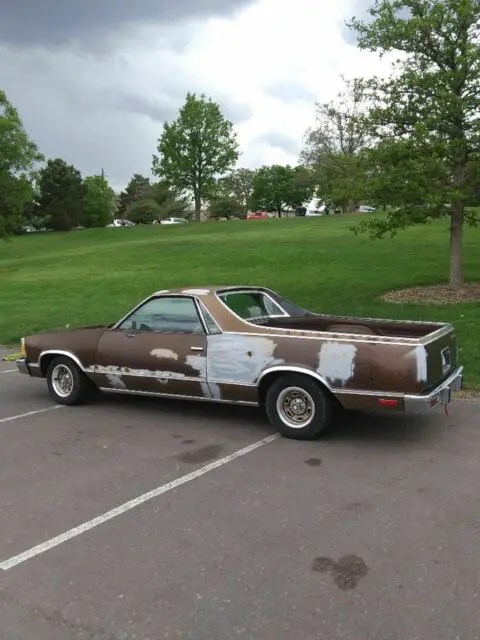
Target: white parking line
{"x": 9, "y": 371}
{"x": 31, "y": 413}
{"x": 131, "y": 504}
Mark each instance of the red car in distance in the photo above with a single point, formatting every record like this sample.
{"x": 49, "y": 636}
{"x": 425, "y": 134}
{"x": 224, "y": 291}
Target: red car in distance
{"x": 257, "y": 215}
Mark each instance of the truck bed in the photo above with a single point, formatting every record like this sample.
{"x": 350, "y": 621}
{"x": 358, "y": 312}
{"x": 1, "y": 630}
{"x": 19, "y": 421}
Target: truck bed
{"x": 361, "y": 326}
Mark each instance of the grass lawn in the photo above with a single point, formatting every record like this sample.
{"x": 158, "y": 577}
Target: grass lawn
{"x": 53, "y": 279}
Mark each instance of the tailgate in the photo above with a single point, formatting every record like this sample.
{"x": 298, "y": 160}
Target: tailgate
{"x": 442, "y": 355}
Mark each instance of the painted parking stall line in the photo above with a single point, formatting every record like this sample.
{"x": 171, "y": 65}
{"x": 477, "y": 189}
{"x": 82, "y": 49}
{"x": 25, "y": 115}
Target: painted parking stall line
{"x": 131, "y": 504}
{"x": 31, "y": 413}
{"x": 9, "y": 371}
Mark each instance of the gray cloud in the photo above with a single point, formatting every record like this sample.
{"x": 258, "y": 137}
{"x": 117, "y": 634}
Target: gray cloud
{"x": 58, "y": 22}
{"x": 279, "y": 140}
{"x": 290, "y": 92}
{"x": 101, "y": 113}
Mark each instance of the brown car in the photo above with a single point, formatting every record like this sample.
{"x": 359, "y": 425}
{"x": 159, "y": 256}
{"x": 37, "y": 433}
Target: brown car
{"x": 248, "y": 345}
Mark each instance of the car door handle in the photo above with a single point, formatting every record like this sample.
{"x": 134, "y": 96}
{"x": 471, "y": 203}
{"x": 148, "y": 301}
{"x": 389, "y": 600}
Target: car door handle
{"x": 196, "y": 348}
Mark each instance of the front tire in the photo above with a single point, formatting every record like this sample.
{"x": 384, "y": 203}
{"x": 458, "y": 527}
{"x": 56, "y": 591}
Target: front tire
{"x": 67, "y": 384}
{"x": 299, "y": 407}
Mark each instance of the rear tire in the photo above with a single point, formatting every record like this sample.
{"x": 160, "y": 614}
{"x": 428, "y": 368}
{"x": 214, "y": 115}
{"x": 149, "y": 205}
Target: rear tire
{"x": 299, "y": 407}
{"x": 66, "y": 382}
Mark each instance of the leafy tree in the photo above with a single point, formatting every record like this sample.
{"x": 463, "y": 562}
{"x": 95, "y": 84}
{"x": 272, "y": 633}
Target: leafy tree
{"x": 226, "y": 207}
{"x": 62, "y": 194}
{"x": 277, "y": 187}
{"x": 144, "y": 211}
{"x": 237, "y": 185}
{"x": 98, "y": 202}
{"x": 170, "y": 202}
{"x": 134, "y": 191}
{"x": 195, "y": 149}
{"x": 426, "y": 113}
{"x": 158, "y": 202}
{"x": 18, "y": 156}
{"x": 334, "y": 147}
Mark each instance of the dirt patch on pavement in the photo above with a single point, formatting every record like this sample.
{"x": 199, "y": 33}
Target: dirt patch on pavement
{"x": 438, "y": 294}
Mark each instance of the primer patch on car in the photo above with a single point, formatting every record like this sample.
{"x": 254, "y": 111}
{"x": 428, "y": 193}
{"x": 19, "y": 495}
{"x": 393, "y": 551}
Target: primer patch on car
{"x": 199, "y": 363}
{"x": 421, "y": 361}
{"x": 196, "y": 292}
{"x": 336, "y": 362}
{"x": 239, "y": 359}
{"x": 116, "y": 381}
{"x": 215, "y": 391}
{"x": 144, "y": 373}
{"x": 164, "y": 353}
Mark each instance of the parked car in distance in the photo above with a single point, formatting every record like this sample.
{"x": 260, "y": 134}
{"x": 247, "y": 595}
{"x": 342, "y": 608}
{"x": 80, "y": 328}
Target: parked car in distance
{"x": 365, "y": 209}
{"x": 258, "y": 215}
{"x": 121, "y": 222}
{"x": 173, "y": 220}
{"x": 248, "y": 345}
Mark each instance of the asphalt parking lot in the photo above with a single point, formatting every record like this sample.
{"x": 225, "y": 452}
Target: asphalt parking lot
{"x": 371, "y": 534}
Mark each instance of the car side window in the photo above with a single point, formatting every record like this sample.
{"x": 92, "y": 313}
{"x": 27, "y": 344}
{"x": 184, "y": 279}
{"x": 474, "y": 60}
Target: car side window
{"x": 166, "y": 315}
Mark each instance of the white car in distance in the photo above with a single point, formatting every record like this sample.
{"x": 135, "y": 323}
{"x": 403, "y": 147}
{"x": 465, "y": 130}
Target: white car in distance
{"x": 173, "y": 220}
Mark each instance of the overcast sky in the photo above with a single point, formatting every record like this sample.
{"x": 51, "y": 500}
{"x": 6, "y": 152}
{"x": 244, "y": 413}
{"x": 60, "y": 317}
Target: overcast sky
{"x": 94, "y": 81}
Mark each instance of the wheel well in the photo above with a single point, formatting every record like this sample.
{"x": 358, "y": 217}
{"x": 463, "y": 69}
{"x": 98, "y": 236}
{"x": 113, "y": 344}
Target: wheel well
{"x": 45, "y": 362}
{"x": 48, "y": 357}
{"x": 270, "y": 378}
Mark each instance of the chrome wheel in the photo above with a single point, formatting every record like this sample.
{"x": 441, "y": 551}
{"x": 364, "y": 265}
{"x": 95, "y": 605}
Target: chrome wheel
{"x": 295, "y": 407}
{"x": 62, "y": 380}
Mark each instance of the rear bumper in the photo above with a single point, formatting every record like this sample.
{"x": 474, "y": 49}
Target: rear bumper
{"x": 442, "y": 395}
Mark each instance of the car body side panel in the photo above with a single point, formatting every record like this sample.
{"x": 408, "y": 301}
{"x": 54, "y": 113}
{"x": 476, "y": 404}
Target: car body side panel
{"x": 152, "y": 362}
{"x": 81, "y": 343}
{"x": 236, "y": 363}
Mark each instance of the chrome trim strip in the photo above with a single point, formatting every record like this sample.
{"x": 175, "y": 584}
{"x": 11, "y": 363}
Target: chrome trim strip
{"x": 60, "y": 352}
{"x": 289, "y": 369}
{"x": 325, "y": 335}
{"x": 176, "y": 397}
{"x": 140, "y": 373}
{"x": 204, "y": 309}
{"x": 440, "y": 333}
{"x": 233, "y": 383}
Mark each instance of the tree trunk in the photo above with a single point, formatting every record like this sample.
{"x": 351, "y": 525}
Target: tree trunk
{"x": 198, "y": 206}
{"x": 456, "y": 244}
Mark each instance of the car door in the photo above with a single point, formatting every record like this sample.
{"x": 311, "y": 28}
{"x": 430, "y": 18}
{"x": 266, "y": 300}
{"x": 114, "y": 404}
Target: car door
{"x": 160, "y": 348}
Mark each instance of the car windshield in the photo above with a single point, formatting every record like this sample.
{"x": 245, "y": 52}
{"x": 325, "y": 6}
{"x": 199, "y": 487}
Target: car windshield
{"x": 252, "y": 305}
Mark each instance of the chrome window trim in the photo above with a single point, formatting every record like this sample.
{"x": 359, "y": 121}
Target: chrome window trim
{"x": 202, "y": 309}
{"x": 218, "y": 293}
{"x": 194, "y": 299}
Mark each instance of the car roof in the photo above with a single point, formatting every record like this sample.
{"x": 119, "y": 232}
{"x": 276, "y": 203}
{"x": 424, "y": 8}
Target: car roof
{"x": 205, "y": 290}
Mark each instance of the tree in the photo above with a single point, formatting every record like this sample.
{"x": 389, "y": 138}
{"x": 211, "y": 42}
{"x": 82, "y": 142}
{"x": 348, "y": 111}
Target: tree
{"x": 226, "y": 207}
{"x": 195, "y": 149}
{"x": 144, "y": 211}
{"x": 158, "y": 202}
{"x": 426, "y": 116}
{"x": 62, "y": 194}
{"x": 277, "y": 187}
{"x": 18, "y": 157}
{"x": 134, "y": 191}
{"x": 334, "y": 147}
{"x": 238, "y": 186}
{"x": 98, "y": 202}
